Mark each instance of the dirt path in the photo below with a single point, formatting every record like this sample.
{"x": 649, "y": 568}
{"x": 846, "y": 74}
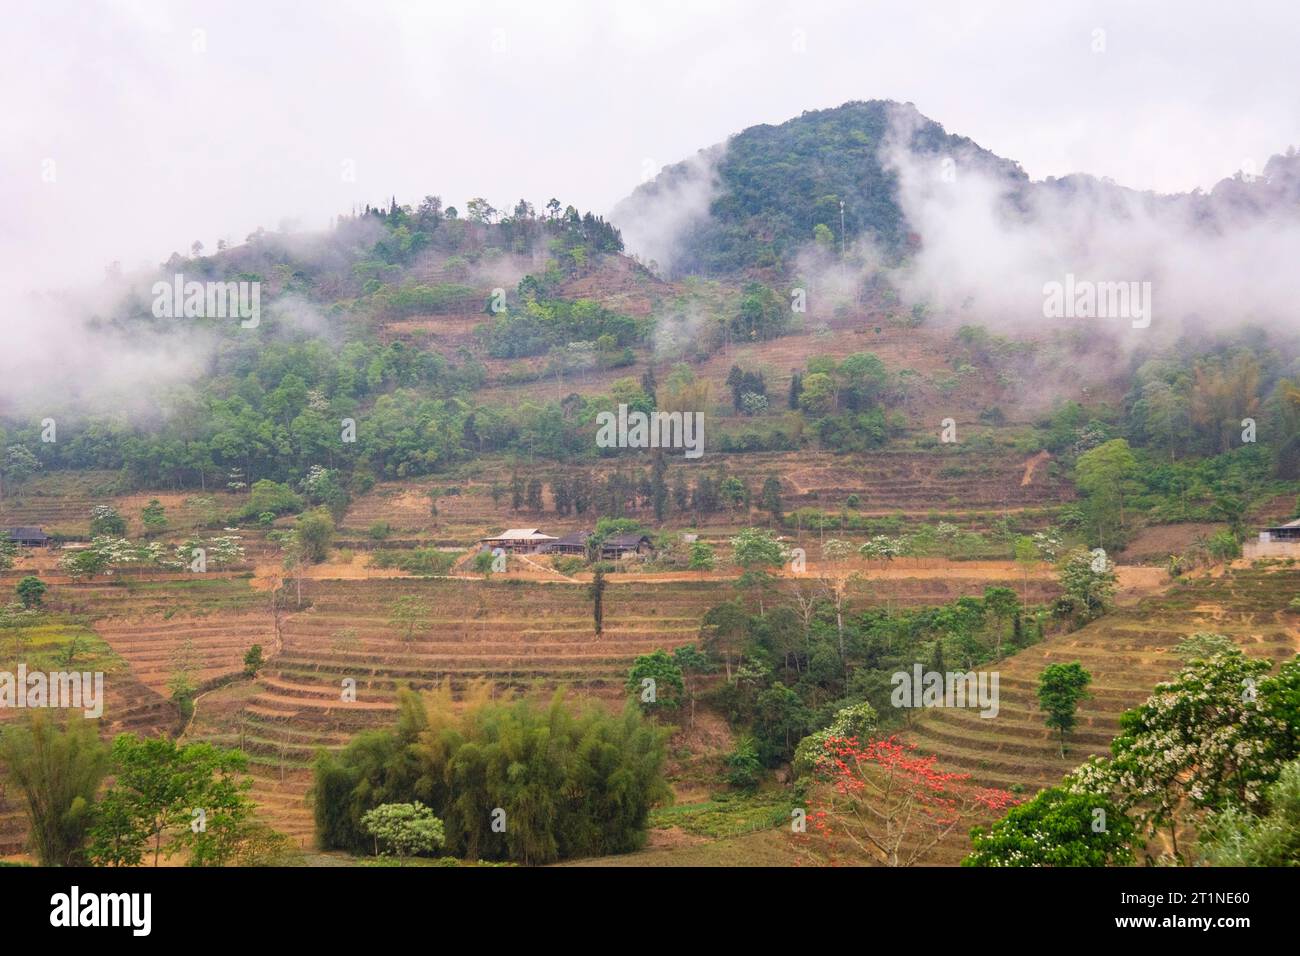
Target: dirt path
{"x": 1031, "y": 465}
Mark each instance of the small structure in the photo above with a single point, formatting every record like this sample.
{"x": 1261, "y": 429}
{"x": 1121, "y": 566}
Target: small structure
{"x": 625, "y": 545}
{"x": 28, "y": 537}
{"x": 574, "y": 543}
{"x": 518, "y": 541}
{"x": 1282, "y": 541}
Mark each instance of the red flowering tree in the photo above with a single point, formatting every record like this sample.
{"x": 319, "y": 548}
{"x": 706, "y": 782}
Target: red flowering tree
{"x": 890, "y": 803}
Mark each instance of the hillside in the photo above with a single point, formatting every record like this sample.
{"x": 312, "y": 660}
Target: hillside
{"x": 285, "y": 525}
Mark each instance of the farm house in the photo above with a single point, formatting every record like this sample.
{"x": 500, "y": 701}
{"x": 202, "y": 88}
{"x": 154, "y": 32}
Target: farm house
{"x": 27, "y": 537}
{"x": 1276, "y": 542}
{"x": 625, "y": 545}
{"x": 574, "y": 543}
{"x": 518, "y": 541}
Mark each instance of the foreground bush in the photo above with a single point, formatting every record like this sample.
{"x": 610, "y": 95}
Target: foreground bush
{"x": 516, "y": 780}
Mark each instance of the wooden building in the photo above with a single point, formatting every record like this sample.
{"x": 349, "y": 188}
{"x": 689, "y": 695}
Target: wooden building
{"x": 28, "y": 537}
{"x": 518, "y": 541}
{"x": 625, "y": 545}
{"x": 574, "y": 543}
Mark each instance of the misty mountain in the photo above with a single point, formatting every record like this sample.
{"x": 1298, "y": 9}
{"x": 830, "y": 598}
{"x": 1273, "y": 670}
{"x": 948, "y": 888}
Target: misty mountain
{"x": 758, "y": 199}
{"x": 755, "y": 200}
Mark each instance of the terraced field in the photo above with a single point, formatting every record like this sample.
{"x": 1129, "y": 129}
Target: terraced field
{"x": 1127, "y": 652}
{"x": 517, "y": 635}
{"x": 129, "y": 704}
{"x": 62, "y": 502}
{"x": 974, "y": 490}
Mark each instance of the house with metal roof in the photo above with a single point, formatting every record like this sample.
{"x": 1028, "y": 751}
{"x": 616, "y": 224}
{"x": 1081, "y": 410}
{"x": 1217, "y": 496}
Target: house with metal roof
{"x": 1280, "y": 541}
{"x": 517, "y": 541}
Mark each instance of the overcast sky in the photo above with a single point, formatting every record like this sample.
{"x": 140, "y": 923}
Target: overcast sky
{"x": 131, "y": 129}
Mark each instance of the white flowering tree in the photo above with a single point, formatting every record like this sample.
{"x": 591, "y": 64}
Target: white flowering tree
{"x": 883, "y": 548}
{"x": 1215, "y": 736}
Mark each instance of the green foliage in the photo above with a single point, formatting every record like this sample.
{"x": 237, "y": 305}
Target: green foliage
{"x": 1203, "y": 645}
{"x": 665, "y": 691}
{"x": 1056, "y": 828}
{"x": 482, "y": 563}
{"x": 1105, "y": 474}
{"x": 404, "y": 829}
{"x": 568, "y": 782}
{"x": 744, "y": 767}
{"x": 1088, "y": 580}
{"x": 427, "y": 561}
{"x": 1237, "y": 837}
{"x": 316, "y": 535}
{"x": 31, "y": 591}
{"x": 1060, "y": 689}
{"x": 858, "y": 722}
{"x": 269, "y": 496}
{"x": 154, "y": 516}
{"x": 105, "y": 520}
{"x": 158, "y": 787}
{"x": 702, "y": 558}
{"x": 253, "y": 660}
{"x": 779, "y": 184}
{"x": 58, "y": 771}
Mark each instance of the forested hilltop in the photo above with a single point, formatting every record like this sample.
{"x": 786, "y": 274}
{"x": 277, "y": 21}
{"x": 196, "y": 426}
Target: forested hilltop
{"x": 361, "y": 562}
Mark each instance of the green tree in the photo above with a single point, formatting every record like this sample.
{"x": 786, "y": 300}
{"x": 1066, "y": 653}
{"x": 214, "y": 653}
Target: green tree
{"x": 596, "y": 591}
{"x": 408, "y": 615}
{"x": 404, "y": 829}
{"x": 769, "y": 498}
{"x": 515, "y": 780}
{"x": 17, "y": 465}
{"x": 31, "y": 591}
{"x": 105, "y": 520}
{"x": 781, "y": 719}
{"x": 1055, "y": 828}
{"x": 1025, "y": 553}
{"x": 665, "y": 687}
{"x": 817, "y": 394}
{"x": 702, "y": 558}
{"x": 1215, "y": 736}
{"x": 154, "y": 515}
{"x": 316, "y": 534}
{"x": 1105, "y": 475}
{"x": 482, "y": 562}
{"x": 1088, "y": 580}
{"x": 692, "y": 664}
{"x": 1237, "y": 837}
{"x": 167, "y": 797}
{"x": 1000, "y": 604}
{"x": 1060, "y": 689}
{"x": 253, "y": 661}
{"x": 757, "y": 552}
{"x": 744, "y": 767}
{"x": 58, "y": 771}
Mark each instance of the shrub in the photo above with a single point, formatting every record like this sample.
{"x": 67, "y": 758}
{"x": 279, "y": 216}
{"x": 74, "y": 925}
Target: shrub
{"x": 581, "y": 781}
{"x": 744, "y": 768}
